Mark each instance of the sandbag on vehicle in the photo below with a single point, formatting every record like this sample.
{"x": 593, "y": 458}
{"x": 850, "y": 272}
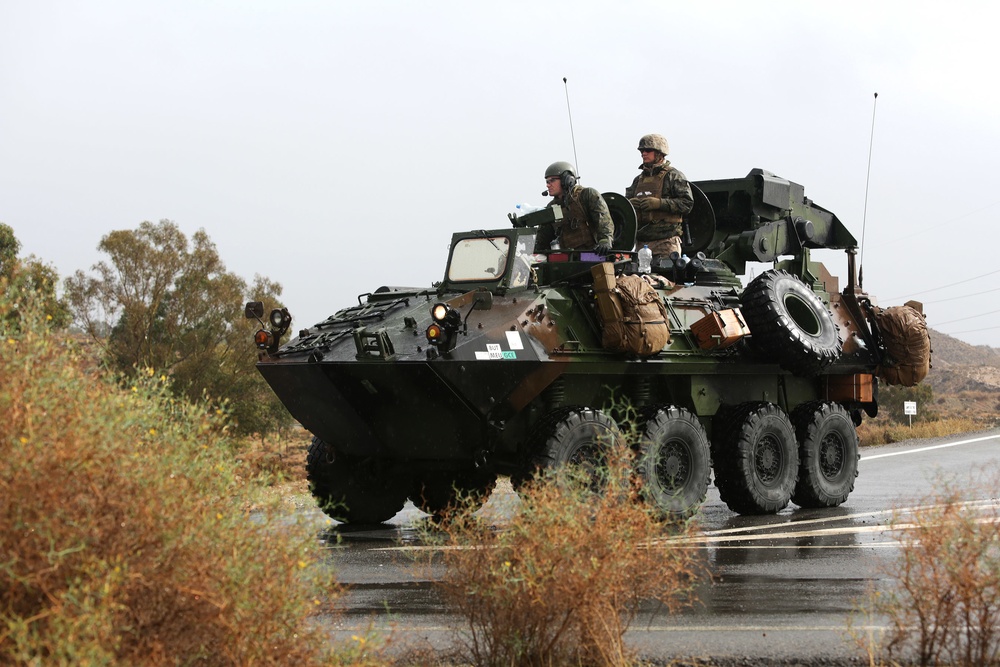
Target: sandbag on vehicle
{"x": 633, "y": 317}
{"x": 907, "y": 345}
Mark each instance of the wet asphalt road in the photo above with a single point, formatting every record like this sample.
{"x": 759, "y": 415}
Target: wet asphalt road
{"x": 784, "y": 585}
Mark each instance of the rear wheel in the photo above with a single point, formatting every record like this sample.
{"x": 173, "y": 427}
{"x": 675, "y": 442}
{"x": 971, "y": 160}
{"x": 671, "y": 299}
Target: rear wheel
{"x": 674, "y": 462}
{"x": 828, "y": 454}
{"x": 756, "y": 458}
{"x": 353, "y": 490}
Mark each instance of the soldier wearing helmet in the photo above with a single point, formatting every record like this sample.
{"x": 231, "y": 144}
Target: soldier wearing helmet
{"x": 586, "y": 222}
{"x": 661, "y": 196}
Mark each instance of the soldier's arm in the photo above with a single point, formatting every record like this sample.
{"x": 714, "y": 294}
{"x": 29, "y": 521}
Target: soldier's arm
{"x": 599, "y": 215}
{"x": 630, "y": 190}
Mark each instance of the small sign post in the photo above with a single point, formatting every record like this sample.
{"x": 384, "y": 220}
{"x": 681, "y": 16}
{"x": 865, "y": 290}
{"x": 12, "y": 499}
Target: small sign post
{"x": 910, "y": 409}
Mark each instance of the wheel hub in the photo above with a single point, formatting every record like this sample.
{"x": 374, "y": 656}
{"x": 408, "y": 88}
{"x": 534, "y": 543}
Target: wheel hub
{"x": 767, "y": 459}
{"x": 831, "y": 456}
{"x": 673, "y": 466}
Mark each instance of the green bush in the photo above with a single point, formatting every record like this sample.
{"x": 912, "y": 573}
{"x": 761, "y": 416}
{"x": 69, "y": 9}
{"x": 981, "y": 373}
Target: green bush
{"x": 891, "y": 399}
{"x": 121, "y": 537}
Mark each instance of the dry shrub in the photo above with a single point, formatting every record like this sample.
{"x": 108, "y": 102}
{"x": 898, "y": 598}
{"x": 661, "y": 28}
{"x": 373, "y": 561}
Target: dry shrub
{"x": 943, "y": 604}
{"x": 562, "y": 583}
{"x": 881, "y": 432}
{"x": 121, "y": 536}
{"x": 272, "y": 462}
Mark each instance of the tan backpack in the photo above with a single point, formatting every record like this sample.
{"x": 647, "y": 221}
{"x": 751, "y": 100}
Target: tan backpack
{"x": 633, "y": 317}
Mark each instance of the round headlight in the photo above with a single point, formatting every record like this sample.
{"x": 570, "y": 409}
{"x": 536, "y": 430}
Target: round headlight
{"x": 279, "y": 318}
{"x": 440, "y": 311}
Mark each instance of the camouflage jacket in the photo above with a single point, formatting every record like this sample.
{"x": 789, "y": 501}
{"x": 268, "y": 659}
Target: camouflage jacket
{"x": 676, "y": 200}
{"x": 581, "y": 206}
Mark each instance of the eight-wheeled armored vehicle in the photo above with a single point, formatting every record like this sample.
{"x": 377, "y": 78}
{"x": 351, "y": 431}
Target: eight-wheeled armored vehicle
{"x": 518, "y": 360}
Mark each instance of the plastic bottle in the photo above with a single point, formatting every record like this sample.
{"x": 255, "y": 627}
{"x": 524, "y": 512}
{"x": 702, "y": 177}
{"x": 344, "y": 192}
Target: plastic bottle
{"x": 645, "y": 258}
{"x": 525, "y": 209}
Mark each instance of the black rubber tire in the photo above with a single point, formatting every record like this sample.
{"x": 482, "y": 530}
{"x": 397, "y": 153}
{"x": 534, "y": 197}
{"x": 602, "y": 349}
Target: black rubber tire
{"x": 437, "y": 491}
{"x": 756, "y": 458}
{"x": 576, "y": 436}
{"x": 828, "y": 454}
{"x": 352, "y": 490}
{"x": 674, "y": 462}
{"x": 790, "y": 324}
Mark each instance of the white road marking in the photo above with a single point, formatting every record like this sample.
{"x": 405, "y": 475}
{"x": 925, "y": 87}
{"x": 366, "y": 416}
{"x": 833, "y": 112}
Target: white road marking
{"x": 925, "y": 449}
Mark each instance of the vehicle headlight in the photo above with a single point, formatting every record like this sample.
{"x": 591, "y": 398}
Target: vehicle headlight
{"x": 440, "y": 311}
{"x": 443, "y": 331}
{"x": 280, "y": 319}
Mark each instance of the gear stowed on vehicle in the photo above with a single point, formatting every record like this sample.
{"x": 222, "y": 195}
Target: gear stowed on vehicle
{"x": 515, "y": 360}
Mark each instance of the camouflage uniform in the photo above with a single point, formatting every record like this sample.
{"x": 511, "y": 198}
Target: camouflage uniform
{"x": 661, "y": 228}
{"x": 586, "y": 221}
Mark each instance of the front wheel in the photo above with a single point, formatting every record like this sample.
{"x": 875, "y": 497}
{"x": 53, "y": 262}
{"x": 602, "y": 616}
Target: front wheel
{"x": 580, "y": 437}
{"x": 352, "y": 490}
{"x": 756, "y": 458}
{"x": 828, "y": 454}
{"x": 674, "y": 462}
{"x": 437, "y": 491}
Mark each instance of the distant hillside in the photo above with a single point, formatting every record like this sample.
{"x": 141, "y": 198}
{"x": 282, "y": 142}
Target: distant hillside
{"x": 965, "y": 378}
{"x": 951, "y": 351}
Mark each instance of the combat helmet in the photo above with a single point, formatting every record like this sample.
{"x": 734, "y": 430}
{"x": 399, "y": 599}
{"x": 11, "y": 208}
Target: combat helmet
{"x": 559, "y": 168}
{"x": 655, "y": 141}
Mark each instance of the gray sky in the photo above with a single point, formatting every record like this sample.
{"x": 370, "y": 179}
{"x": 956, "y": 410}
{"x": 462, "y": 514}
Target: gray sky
{"x": 335, "y": 146}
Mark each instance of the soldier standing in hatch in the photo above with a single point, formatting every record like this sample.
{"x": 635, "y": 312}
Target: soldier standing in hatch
{"x": 661, "y": 196}
{"x": 586, "y": 223}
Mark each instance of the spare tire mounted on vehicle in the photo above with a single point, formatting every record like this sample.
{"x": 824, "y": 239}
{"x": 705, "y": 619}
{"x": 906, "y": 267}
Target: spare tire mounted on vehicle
{"x": 790, "y": 324}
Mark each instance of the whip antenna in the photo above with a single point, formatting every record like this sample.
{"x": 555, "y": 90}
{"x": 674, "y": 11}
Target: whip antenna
{"x": 864, "y": 216}
{"x": 571, "y": 135}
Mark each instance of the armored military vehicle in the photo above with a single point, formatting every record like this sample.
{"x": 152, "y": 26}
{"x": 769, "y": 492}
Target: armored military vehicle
{"x": 517, "y": 360}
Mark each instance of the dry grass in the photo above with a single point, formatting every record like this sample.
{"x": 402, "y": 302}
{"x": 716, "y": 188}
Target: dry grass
{"x": 122, "y": 536}
{"x": 562, "y": 582}
{"x": 884, "y": 431}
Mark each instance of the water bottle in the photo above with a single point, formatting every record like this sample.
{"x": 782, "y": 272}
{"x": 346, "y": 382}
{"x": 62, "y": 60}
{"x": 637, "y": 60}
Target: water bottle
{"x": 525, "y": 209}
{"x": 645, "y": 258}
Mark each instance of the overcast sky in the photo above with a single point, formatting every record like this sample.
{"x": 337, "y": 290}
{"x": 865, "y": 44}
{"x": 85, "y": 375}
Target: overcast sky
{"x": 335, "y": 146}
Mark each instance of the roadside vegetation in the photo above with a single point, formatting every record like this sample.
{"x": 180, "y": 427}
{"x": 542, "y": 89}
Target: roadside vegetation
{"x": 136, "y": 526}
{"x": 123, "y": 529}
{"x": 942, "y": 596}
{"x": 163, "y": 301}
{"x": 562, "y": 582}
{"x": 892, "y": 425}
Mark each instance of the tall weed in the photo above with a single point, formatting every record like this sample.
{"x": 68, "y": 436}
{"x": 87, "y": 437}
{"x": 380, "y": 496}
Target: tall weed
{"x": 121, "y": 537}
{"x": 563, "y": 581}
{"x": 943, "y": 602}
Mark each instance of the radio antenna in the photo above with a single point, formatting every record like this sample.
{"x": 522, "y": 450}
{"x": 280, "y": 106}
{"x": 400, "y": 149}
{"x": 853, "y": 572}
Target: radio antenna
{"x": 572, "y": 136}
{"x": 864, "y": 216}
